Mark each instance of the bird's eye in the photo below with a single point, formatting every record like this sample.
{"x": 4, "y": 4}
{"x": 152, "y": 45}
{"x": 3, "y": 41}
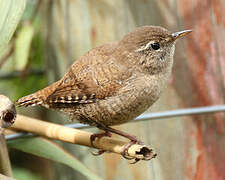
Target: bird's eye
{"x": 155, "y": 46}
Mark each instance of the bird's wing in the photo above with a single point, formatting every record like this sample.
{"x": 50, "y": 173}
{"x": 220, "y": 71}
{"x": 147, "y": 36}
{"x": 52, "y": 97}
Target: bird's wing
{"x": 94, "y": 76}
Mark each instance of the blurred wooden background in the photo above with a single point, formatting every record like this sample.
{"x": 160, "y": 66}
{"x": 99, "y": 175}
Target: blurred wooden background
{"x": 187, "y": 147}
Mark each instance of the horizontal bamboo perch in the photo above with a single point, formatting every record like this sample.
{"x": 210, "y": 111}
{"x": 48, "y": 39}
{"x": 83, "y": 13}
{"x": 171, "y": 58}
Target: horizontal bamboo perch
{"x": 75, "y": 136}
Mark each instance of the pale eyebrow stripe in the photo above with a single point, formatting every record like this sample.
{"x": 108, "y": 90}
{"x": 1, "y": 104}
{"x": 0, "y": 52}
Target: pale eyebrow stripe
{"x": 142, "y": 48}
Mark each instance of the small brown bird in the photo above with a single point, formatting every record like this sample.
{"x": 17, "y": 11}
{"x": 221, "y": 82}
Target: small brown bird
{"x": 113, "y": 83}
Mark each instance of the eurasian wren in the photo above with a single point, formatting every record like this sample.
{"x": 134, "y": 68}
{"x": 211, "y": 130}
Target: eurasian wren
{"x": 113, "y": 83}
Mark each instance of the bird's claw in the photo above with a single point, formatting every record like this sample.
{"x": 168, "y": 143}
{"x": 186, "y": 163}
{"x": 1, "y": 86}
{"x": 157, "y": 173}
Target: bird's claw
{"x": 124, "y": 153}
{"x": 125, "y": 150}
{"x": 99, "y": 136}
{"x": 135, "y": 161}
{"x": 98, "y": 153}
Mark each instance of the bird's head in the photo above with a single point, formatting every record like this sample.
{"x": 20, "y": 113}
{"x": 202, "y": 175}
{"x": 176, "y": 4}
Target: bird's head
{"x": 151, "y": 46}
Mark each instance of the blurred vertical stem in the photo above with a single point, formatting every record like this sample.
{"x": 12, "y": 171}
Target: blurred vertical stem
{"x": 10, "y": 14}
{"x": 5, "y": 167}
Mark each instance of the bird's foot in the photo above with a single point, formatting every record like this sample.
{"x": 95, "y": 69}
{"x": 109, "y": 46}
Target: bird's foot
{"x": 98, "y": 153}
{"x": 99, "y": 136}
{"x": 126, "y": 148}
{"x": 133, "y": 140}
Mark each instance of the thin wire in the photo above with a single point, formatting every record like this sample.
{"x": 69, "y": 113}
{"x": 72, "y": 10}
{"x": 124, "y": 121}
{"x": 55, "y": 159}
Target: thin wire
{"x": 143, "y": 117}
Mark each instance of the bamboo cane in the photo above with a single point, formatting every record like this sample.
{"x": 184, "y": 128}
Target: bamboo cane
{"x": 75, "y": 136}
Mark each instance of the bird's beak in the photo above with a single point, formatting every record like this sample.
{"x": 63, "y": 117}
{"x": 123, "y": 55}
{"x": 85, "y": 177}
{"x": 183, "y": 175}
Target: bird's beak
{"x": 179, "y": 34}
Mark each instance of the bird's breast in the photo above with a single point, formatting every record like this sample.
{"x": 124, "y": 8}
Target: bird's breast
{"x": 136, "y": 96}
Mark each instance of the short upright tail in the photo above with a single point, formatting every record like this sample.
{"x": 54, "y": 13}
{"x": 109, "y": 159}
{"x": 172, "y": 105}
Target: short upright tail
{"x": 37, "y": 98}
{"x": 30, "y": 100}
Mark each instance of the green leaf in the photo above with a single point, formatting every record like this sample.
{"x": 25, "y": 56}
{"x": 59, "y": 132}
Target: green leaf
{"x": 25, "y": 174}
{"x": 23, "y": 44}
{"x": 10, "y": 14}
{"x": 47, "y": 149}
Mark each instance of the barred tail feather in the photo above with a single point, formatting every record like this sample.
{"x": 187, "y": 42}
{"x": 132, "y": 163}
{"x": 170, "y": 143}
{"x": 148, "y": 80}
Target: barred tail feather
{"x": 30, "y": 100}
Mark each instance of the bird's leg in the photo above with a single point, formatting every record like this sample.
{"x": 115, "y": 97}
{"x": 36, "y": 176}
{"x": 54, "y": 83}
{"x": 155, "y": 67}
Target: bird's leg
{"x": 108, "y": 130}
{"x": 133, "y": 139}
{"x": 126, "y": 135}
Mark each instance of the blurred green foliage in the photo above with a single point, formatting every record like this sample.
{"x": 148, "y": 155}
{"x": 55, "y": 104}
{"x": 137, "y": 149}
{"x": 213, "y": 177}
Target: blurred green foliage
{"x": 28, "y": 57}
{"x": 25, "y": 84}
{"x": 25, "y": 174}
{"x": 30, "y": 83}
{"x": 47, "y": 149}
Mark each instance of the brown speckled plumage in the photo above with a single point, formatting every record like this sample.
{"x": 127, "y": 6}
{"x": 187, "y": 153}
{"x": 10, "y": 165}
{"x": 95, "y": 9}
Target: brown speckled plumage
{"x": 113, "y": 83}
